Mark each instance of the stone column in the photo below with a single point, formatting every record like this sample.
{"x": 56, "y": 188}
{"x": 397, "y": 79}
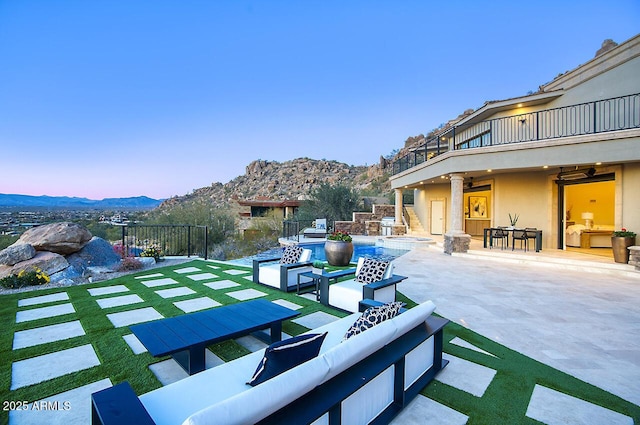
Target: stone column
{"x": 455, "y": 240}
{"x": 398, "y": 206}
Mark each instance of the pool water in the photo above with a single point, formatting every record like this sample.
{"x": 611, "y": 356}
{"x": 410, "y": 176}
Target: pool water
{"x": 317, "y": 253}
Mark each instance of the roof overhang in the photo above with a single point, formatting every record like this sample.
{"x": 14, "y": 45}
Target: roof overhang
{"x": 491, "y": 108}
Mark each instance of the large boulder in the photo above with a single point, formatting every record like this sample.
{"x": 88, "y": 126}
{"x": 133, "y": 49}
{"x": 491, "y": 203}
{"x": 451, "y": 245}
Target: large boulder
{"x": 48, "y": 262}
{"x": 62, "y": 238}
{"x": 96, "y": 253}
{"x": 16, "y": 253}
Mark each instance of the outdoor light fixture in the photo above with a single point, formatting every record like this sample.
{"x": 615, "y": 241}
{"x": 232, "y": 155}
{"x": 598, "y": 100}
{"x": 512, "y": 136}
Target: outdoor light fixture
{"x": 588, "y": 219}
{"x": 577, "y": 173}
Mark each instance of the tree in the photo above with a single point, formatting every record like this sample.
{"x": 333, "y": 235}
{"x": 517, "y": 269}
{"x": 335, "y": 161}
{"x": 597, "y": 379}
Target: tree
{"x": 331, "y": 202}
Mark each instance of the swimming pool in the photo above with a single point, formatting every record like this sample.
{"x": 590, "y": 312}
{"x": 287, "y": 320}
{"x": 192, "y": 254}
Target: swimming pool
{"x": 317, "y": 253}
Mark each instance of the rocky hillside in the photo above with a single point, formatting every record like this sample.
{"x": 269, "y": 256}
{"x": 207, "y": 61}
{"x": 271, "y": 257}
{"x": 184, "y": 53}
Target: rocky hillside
{"x": 289, "y": 180}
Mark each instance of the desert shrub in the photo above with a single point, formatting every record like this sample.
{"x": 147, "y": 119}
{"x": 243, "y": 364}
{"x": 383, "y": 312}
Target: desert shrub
{"x": 6, "y": 240}
{"x": 128, "y": 264}
{"x": 333, "y": 202}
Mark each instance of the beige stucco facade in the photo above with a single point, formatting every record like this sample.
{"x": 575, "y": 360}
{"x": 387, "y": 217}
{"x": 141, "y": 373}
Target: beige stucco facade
{"x": 510, "y": 154}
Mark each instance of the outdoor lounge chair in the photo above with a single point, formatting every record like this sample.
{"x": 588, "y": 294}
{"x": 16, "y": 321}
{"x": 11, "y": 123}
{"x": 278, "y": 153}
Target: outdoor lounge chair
{"x": 374, "y": 280}
{"x": 319, "y": 231}
{"x": 284, "y": 274}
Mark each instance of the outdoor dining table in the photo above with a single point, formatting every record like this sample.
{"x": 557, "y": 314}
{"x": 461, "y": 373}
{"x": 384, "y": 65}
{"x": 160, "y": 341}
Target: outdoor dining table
{"x": 487, "y": 235}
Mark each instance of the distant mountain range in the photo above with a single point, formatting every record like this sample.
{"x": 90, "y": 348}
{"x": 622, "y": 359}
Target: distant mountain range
{"x": 27, "y": 201}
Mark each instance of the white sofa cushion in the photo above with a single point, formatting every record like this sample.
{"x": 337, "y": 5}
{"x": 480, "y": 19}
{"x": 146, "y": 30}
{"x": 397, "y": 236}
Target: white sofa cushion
{"x": 257, "y": 402}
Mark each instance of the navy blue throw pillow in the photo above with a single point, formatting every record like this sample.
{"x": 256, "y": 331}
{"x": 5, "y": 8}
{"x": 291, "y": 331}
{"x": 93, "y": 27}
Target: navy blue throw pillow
{"x": 284, "y": 355}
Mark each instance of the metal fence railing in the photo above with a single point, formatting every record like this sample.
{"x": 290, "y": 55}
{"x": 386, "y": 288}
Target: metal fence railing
{"x": 171, "y": 240}
{"x": 600, "y": 116}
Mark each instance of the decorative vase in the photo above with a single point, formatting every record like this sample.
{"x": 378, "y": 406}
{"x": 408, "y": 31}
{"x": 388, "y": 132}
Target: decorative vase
{"x": 338, "y": 253}
{"x": 619, "y": 244}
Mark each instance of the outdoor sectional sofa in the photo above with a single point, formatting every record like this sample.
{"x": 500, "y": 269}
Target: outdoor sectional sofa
{"x": 369, "y": 377}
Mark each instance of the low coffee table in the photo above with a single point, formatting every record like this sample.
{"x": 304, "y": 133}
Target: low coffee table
{"x": 186, "y": 337}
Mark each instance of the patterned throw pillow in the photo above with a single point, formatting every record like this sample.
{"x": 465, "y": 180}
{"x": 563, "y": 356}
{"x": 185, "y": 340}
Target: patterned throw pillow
{"x": 291, "y": 255}
{"x": 372, "y": 270}
{"x": 373, "y": 316}
{"x": 284, "y": 355}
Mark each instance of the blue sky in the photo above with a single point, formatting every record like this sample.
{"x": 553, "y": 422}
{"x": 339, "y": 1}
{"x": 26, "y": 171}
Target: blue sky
{"x": 125, "y": 98}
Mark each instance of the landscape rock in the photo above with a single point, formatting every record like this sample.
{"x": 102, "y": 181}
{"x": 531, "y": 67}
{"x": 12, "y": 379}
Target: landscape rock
{"x": 97, "y": 252}
{"x": 5, "y": 271}
{"x": 48, "y": 262}
{"x": 16, "y": 253}
{"x": 61, "y": 238}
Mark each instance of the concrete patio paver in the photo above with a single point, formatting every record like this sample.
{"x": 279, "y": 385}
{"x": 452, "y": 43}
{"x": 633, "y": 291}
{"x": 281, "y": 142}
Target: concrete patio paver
{"x": 73, "y": 407}
{"x": 48, "y": 366}
{"x": 119, "y": 301}
{"x": 46, "y": 334}
{"x": 107, "y": 290}
{"x": 202, "y": 276}
{"x": 555, "y": 408}
{"x": 222, "y": 284}
{"x": 567, "y": 319}
{"x": 196, "y": 304}
{"x": 175, "y": 292}
{"x": 315, "y": 320}
{"x": 43, "y": 299}
{"x": 159, "y": 282}
{"x": 131, "y": 317}
{"x": 187, "y": 270}
{"x": 246, "y": 294}
{"x": 44, "y": 312}
{"x": 465, "y": 375}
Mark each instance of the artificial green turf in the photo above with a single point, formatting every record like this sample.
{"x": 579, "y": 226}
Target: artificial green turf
{"x": 505, "y": 400}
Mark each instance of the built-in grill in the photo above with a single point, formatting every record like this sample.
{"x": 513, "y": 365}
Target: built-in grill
{"x": 386, "y": 226}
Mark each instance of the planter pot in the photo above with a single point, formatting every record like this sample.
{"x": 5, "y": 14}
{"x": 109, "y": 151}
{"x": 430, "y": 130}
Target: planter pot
{"x": 338, "y": 253}
{"x": 619, "y": 245}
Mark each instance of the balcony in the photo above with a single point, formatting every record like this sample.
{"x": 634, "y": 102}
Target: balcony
{"x": 619, "y": 113}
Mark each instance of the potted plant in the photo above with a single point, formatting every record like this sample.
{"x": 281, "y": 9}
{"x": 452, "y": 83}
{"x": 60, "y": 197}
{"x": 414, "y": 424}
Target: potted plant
{"x": 338, "y": 249}
{"x": 513, "y": 220}
{"x": 621, "y": 240}
{"x": 317, "y": 267}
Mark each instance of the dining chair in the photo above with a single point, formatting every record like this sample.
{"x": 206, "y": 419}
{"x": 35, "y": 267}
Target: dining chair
{"x": 501, "y": 234}
{"x": 519, "y": 235}
{"x": 531, "y": 233}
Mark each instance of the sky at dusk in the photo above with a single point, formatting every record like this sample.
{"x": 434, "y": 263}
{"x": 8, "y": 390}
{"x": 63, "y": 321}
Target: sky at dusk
{"x": 126, "y": 98}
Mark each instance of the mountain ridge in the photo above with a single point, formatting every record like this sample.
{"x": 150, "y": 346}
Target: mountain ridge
{"x": 45, "y": 201}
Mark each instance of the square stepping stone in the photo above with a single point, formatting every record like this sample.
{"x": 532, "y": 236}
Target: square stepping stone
{"x": 252, "y": 343}
{"x": 236, "y": 272}
{"x": 423, "y": 410}
{"x": 213, "y": 267}
{"x": 43, "y": 368}
{"x": 43, "y": 312}
{"x": 149, "y": 276}
{"x": 46, "y": 334}
{"x": 314, "y": 320}
{"x": 131, "y": 317}
{"x": 134, "y": 343}
{"x": 462, "y": 343}
{"x": 187, "y": 270}
{"x": 555, "y": 408}
{"x": 249, "y": 278}
{"x": 196, "y": 304}
{"x": 202, "y": 276}
{"x": 159, "y": 282}
{"x": 73, "y": 407}
{"x": 107, "y": 290}
{"x": 222, "y": 284}
{"x": 246, "y": 294}
{"x": 466, "y": 376}
{"x": 175, "y": 292}
{"x": 288, "y": 304}
{"x": 169, "y": 371}
{"x": 118, "y": 301}
{"x": 60, "y": 296}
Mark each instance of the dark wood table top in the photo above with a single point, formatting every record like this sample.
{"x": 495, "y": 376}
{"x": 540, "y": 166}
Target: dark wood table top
{"x": 174, "y": 334}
